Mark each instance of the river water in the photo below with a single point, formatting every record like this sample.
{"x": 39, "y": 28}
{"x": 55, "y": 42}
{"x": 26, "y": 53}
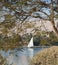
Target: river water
{"x": 20, "y": 56}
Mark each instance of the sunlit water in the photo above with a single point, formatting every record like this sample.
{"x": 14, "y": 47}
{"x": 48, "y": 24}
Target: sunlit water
{"x": 20, "y": 56}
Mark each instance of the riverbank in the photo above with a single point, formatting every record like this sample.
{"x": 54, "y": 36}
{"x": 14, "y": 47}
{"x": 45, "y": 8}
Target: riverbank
{"x": 2, "y": 60}
{"x": 48, "y": 56}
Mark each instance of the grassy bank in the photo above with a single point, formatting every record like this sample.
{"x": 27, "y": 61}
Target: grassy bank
{"x": 48, "y": 56}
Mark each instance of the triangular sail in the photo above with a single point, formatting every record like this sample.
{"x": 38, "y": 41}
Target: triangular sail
{"x": 31, "y": 43}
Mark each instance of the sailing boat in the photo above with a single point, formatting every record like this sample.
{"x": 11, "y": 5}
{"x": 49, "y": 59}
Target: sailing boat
{"x": 31, "y": 43}
{"x": 30, "y": 49}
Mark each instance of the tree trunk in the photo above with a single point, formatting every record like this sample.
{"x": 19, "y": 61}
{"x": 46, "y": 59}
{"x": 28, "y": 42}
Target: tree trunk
{"x": 55, "y": 29}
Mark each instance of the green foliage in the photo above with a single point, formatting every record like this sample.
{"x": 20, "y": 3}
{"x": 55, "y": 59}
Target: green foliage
{"x": 29, "y": 25}
{"x": 45, "y": 42}
{"x": 1, "y": 0}
{"x": 53, "y": 38}
{"x": 8, "y": 17}
{"x": 7, "y": 25}
{"x": 36, "y": 40}
{"x": 7, "y": 4}
{"x": 56, "y": 15}
{"x": 10, "y": 42}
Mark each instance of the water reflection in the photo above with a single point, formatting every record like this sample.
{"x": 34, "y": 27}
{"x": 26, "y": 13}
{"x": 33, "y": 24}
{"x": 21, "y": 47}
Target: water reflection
{"x": 14, "y": 60}
{"x": 21, "y": 56}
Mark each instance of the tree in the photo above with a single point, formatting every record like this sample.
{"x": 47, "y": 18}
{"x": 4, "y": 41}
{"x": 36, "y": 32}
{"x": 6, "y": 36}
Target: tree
{"x": 44, "y": 9}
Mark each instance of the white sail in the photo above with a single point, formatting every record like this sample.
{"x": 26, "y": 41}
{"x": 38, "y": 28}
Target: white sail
{"x": 31, "y": 43}
{"x": 31, "y": 52}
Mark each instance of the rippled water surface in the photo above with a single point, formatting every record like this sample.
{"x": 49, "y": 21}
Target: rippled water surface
{"x": 20, "y": 56}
